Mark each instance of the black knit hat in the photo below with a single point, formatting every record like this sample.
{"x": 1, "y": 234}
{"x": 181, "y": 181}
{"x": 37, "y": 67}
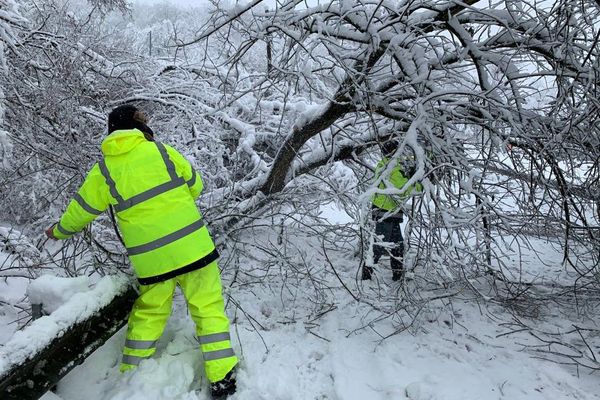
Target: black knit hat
{"x": 128, "y": 117}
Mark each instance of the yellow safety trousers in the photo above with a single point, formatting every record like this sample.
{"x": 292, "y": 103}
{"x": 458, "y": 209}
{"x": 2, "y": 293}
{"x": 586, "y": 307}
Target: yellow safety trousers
{"x": 151, "y": 310}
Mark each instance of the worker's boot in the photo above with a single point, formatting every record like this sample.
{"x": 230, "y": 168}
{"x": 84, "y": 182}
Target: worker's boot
{"x": 225, "y": 387}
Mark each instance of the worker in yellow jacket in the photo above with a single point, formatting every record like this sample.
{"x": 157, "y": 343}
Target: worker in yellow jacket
{"x": 152, "y": 189}
{"x": 387, "y": 209}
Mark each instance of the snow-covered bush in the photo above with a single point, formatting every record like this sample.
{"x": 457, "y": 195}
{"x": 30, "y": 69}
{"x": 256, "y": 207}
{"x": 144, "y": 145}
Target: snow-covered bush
{"x": 17, "y": 253}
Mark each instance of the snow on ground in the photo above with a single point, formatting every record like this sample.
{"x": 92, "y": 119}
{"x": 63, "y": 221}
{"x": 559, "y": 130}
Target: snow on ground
{"x": 13, "y": 248}
{"x": 303, "y": 336}
{"x": 287, "y": 361}
{"x": 12, "y": 291}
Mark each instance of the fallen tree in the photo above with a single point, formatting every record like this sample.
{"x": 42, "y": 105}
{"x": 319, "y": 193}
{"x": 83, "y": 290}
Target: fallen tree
{"x": 451, "y": 81}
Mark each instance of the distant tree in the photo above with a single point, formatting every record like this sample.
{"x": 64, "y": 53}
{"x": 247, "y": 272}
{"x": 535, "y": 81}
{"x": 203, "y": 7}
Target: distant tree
{"x": 11, "y": 22}
{"x": 109, "y": 5}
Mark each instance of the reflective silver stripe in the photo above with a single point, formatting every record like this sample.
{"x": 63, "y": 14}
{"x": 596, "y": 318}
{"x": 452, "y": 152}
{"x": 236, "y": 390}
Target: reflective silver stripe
{"x": 63, "y": 230}
{"x": 123, "y": 204}
{"x": 215, "y": 337}
{"x": 110, "y": 182}
{"x": 171, "y": 237}
{"x": 140, "y": 344}
{"x": 218, "y": 354}
{"x": 148, "y": 194}
{"x": 165, "y": 156}
{"x": 192, "y": 180}
{"x": 132, "y": 360}
{"x": 86, "y": 206}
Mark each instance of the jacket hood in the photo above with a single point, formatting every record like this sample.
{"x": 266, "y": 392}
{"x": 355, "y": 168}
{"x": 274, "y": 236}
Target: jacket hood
{"x": 122, "y": 141}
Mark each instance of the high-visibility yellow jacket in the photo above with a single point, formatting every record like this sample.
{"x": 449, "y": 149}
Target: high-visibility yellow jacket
{"x": 152, "y": 188}
{"x": 397, "y": 179}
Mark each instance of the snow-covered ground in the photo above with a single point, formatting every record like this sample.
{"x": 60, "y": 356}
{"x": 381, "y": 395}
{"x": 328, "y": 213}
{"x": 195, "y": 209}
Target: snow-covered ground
{"x": 12, "y": 292}
{"x": 302, "y": 336}
{"x": 449, "y": 360}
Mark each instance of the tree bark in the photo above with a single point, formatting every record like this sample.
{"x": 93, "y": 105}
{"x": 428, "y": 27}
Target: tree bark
{"x": 281, "y": 165}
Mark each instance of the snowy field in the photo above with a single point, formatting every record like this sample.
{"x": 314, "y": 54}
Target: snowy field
{"x": 302, "y": 335}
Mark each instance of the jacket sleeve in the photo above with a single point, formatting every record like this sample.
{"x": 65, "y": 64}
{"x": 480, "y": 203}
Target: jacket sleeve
{"x": 184, "y": 169}
{"x": 91, "y": 200}
{"x": 399, "y": 179}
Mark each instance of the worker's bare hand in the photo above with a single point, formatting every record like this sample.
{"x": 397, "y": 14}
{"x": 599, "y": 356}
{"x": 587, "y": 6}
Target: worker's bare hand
{"x": 50, "y": 233}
